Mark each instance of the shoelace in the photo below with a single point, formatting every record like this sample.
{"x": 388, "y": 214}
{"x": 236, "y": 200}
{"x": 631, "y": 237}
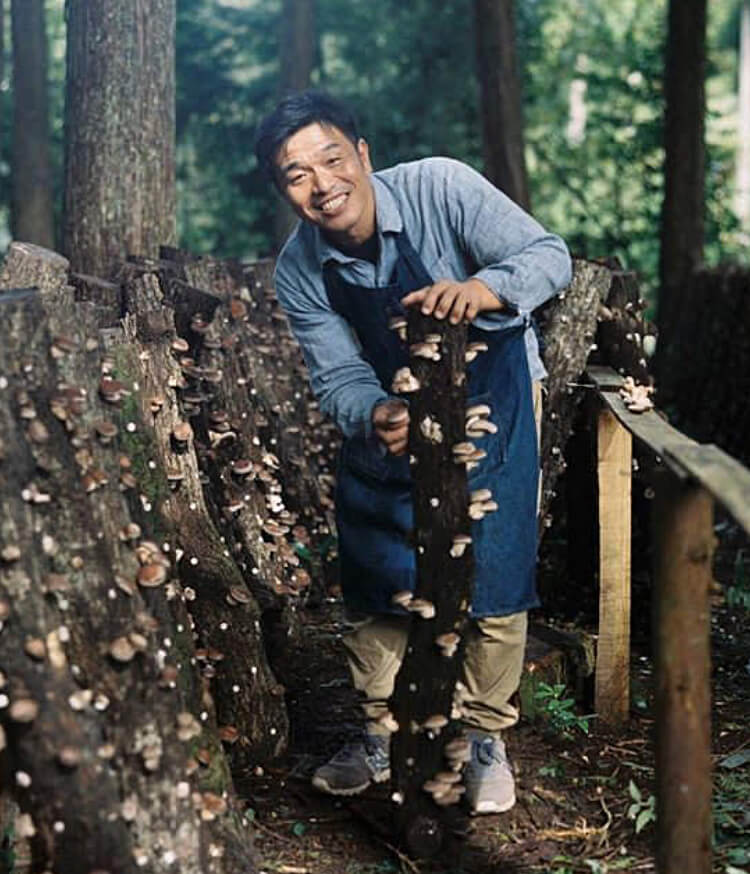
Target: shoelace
{"x": 485, "y": 752}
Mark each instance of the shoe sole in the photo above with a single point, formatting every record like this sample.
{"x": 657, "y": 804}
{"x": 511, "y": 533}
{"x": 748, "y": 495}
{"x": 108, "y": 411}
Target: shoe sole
{"x": 324, "y": 786}
{"x": 484, "y": 807}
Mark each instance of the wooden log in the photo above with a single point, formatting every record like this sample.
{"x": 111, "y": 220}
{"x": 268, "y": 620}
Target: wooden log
{"x": 27, "y": 265}
{"x": 614, "y": 476}
{"x": 249, "y": 700}
{"x": 568, "y": 325}
{"x": 97, "y": 668}
{"x": 684, "y": 544}
{"x": 105, "y": 296}
{"x": 425, "y": 685}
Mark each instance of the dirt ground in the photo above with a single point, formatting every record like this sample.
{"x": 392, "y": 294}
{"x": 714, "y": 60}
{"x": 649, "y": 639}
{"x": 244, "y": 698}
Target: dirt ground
{"x": 574, "y": 791}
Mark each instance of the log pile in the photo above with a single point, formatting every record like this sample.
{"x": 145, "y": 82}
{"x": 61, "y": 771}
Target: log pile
{"x": 143, "y": 521}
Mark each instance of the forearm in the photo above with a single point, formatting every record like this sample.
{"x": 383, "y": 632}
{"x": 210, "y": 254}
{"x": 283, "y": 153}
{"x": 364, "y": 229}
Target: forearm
{"x": 526, "y": 280}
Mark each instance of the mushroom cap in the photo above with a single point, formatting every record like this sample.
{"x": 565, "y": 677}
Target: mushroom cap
{"x": 435, "y": 722}
{"x": 478, "y": 410}
{"x": 403, "y": 598}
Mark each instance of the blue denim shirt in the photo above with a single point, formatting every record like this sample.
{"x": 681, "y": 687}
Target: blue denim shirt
{"x": 461, "y": 226}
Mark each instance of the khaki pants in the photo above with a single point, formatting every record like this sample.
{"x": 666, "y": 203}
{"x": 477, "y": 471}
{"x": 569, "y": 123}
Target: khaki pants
{"x": 492, "y": 658}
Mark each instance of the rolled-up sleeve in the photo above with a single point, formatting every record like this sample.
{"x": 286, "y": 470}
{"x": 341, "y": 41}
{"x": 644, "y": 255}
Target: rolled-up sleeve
{"x": 345, "y": 385}
{"x": 518, "y": 260}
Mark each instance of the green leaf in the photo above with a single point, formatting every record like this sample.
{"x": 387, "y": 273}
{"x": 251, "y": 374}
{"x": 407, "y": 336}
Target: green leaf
{"x": 736, "y": 760}
{"x": 298, "y": 829}
{"x": 643, "y": 819}
{"x": 635, "y": 792}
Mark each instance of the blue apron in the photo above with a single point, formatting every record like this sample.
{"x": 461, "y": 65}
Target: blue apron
{"x": 374, "y": 512}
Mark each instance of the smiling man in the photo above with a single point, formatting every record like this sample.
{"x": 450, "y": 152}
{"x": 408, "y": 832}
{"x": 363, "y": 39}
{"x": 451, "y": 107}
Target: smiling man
{"x": 434, "y": 234}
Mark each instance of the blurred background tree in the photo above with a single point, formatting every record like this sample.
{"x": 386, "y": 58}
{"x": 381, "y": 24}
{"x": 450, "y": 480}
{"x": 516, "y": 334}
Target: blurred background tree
{"x": 591, "y": 77}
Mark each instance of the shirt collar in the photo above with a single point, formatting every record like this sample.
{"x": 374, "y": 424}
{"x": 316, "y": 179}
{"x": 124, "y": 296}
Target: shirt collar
{"x": 387, "y": 217}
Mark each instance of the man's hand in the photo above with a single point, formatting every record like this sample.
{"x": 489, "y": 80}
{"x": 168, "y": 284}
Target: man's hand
{"x": 391, "y": 423}
{"x": 455, "y": 300}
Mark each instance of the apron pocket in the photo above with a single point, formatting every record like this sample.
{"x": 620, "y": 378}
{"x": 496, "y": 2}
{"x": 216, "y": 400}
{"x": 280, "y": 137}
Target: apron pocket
{"x": 495, "y": 445}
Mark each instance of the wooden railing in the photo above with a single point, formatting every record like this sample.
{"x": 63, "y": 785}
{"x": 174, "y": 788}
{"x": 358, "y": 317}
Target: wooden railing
{"x": 691, "y": 478}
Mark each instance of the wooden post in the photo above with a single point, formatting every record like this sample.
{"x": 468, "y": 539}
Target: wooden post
{"x": 614, "y": 472}
{"x": 684, "y": 544}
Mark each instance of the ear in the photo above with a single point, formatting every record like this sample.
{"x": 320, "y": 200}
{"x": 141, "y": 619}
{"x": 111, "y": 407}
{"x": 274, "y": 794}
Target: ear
{"x": 363, "y": 150}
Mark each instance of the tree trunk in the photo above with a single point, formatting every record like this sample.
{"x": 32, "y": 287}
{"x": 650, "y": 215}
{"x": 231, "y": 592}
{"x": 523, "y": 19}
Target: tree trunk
{"x": 500, "y": 85}
{"x": 31, "y": 216}
{"x": 107, "y": 720}
{"x": 684, "y": 169}
{"x": 742, "y": 198}
{"x": 120, "y": 130}
{"x": 297, "y": 49}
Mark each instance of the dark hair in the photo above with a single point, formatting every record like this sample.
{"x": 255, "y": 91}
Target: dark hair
{"x": 295, "y": 112}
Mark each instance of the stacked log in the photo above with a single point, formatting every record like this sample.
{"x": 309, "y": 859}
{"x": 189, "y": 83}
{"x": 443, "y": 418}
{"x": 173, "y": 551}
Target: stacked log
{"x": 145, "y": 529}
{"x": 110, "y": 734}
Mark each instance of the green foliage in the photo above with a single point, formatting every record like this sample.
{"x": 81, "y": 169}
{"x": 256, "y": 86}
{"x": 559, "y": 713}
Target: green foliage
{"x": 409, "y": 72}
{"x": 558, "y": 710}
{"x": 641, "y": 810}
{"x": 738, "y": 594}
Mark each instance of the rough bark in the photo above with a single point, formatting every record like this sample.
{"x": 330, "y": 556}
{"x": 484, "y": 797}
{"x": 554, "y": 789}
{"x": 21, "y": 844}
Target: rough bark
{"x": 297, "y": 50}
{"x": 500, "y": 86}
{"x": 249, "y": 701}
{"x": 622, "y": 328}
{"x": 569, "y": 327}
{"x": 425, "y": 685}
{"x": 682, "y": 221}
{"x": 120, "y": 130}
{"x": 31, "y": 213}
{"x": 106, "y": 720}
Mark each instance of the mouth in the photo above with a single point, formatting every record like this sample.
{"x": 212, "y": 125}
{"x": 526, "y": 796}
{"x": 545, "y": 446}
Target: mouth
{"x": 333, "y": 204}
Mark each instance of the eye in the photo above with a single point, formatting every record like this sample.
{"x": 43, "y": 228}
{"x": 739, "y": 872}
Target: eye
{"x": 333, "y": 161}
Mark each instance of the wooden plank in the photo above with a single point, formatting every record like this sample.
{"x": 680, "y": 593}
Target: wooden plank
{"x": 614, "y": 473}
{"x": 724, "y": 477}
{"x": 649, "y": 427}
{"x": 683, "y": 528}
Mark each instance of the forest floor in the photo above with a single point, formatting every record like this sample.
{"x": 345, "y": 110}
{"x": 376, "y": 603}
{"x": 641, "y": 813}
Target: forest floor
{"x": 579, "y": 794}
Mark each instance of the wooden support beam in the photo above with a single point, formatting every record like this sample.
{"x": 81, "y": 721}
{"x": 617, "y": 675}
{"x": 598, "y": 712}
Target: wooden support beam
{"x": 614, "y": 473}
{"x": 684, "y": 543}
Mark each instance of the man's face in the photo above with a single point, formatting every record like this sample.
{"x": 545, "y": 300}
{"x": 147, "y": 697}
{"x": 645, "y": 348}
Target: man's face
{"x": 325, "y": 178}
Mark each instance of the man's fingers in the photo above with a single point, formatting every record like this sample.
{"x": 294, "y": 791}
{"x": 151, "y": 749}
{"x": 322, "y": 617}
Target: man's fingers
{"x": 447, "y": 299}
{"x": 415, "y": 297}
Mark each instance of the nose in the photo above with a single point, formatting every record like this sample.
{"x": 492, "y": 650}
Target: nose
{"x": 322, "y": 180}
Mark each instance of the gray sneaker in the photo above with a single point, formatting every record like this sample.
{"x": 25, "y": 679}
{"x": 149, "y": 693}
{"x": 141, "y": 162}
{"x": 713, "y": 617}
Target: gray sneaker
{"x": 354, "y": 767}
{"x": 488, "y": 778}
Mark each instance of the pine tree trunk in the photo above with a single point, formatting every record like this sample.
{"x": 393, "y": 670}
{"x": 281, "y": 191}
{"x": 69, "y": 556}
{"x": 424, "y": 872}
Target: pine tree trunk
{"x": 297, "y": 49}
{"x": 120, "y": 131}
{"x": 500, "y": 84}
{"x": 742, "y": 198}
{"x": 682, "y": 220}
{"x": 31, "y": 218}
{"x": 107, "y": 720}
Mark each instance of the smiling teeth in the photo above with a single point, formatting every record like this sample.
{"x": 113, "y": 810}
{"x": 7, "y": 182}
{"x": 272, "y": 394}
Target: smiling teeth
{"x": 335, "y": 203}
